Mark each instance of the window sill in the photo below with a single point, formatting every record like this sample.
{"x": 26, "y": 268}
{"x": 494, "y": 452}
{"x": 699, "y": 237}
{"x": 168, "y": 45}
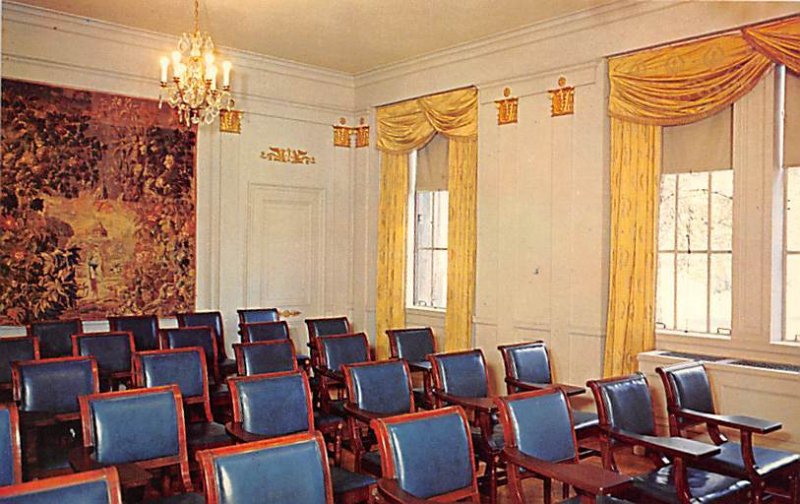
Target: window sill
{"x": 693, "y": 335}
{"x": 421, "y": 310}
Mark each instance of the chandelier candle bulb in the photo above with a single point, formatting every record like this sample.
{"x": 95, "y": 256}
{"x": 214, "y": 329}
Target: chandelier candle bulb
{"x": 226, "y": 74}
{"x": 164, "y": 67}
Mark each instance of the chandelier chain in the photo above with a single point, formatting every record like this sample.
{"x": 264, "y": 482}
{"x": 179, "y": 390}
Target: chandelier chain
{"x": 196, "y": 16}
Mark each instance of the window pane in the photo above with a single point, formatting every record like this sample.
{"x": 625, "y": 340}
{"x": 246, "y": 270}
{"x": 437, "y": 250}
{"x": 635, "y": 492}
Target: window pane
{"x": 692, "y": 292}
{"x": 721, "y": 210}
{"x": 440, "y": 217}
{"x": 793, "y": 209}
{"x": 666, "y": 213}
{"x": 721, "y": 298}
{"x": 424, "y": 226}
{"x": 439, "y": 278}
{"x": 422, "y": 278}
{"x": 793, "y": 297}
{"x": 693, "y": 211}
{"x": 665, "y": 289}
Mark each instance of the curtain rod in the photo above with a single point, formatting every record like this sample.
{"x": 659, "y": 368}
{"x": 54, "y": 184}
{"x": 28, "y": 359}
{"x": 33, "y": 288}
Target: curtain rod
{"x": 717, "y": 33}
{"x": 426, "y": 95}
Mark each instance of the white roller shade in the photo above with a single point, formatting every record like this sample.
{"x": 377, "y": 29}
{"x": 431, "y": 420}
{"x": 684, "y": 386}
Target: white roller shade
{"x": 701, "y": 146}
{"x": 791, "y": 137}
{"x": 432, "y": 166}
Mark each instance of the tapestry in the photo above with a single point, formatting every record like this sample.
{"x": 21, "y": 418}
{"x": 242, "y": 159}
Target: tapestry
{"x": 97, "y": 215}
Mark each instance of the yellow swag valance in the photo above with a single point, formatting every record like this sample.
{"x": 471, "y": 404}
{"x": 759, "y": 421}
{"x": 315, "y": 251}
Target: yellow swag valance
{"x": 667, "y": 86}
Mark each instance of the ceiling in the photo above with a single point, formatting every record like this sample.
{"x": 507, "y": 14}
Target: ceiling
{"x": 350, "y": 36}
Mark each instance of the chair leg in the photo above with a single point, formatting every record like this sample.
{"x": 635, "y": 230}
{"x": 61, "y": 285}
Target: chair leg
{"x": 515, "y": 484}
{"x": 491, "y": 469}
{"x": 794, "y": 487}
{"x": 547, "y": 490}
{"x": 564, "y": 491}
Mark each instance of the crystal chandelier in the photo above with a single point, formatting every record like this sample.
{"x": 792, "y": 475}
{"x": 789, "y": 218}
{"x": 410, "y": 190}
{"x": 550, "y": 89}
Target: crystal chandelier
{"x": 193, "y": 91}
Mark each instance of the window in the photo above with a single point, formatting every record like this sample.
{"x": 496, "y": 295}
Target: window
{"x": 428, "y": 234}
{"x": 791, "y": 262}
{"x": 694, "y": 283}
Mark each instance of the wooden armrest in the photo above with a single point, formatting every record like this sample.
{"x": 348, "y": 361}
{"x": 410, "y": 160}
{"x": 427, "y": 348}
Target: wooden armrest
{"x": 672, "y": 446}
{"x": 81, "y": 459}
{"x": 362, "y": 415}
{"x": 392, "y": 492}
{"x": 589, "y": 478}
{"x": 743, "y": 423}
{"x": 235, "y": 429}
{"x": 570, "y": 390}
{"x": 329, "y": 373}
{"x": 483, "y": 404}
{"x": 131, "y": 475}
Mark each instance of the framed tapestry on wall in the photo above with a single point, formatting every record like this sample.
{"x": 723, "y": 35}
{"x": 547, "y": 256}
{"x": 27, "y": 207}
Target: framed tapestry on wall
{"x": 97, "y": 215}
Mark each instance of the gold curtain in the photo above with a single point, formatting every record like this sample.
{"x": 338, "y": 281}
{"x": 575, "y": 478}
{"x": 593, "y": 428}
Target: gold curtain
{"x": 403, "y": 127}
{"x": 667, "y": 86}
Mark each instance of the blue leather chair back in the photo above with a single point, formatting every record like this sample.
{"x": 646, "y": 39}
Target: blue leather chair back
{"x": 266, "y": 357}
{"x": 185, "y": 337}
{"x": 93, "y": 487}
{"x": 462, "y": 374}
{"x": 414, "y": 345}
{"x": 340, "y": 350}
{"x": 252, "y": 315}
{"x": 144, "y": 329}
{"x": 628, "y": 404}
{"x": 530, "y": 363}
{"x": 55, "y": 337}
{"x": 212, "y": 319}
{"x": 286, "y": 473}
{"x": 9, "y": 444}
{"x": 329, "y": 326}
{"x": 541, "y": 426}
{"x": 431, "y": 455}
{"x": 272, "y": 405}
{"x": 14, "y": 349}
{"x": 380, "y": 387}
{"x": 265, "y": 331}
{"x": 183, "y": 368}
{"x": 691, "y": 388}
{"x": 134, "y": 425}
{"x": 112, "y": 350}
{"x": 54, "y": 385}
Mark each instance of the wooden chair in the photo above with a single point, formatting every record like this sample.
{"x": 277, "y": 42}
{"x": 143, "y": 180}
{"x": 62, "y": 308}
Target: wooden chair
{"x": 271, "y": 331}
{"x": 186, "y": 368}
{"x": 55, "y": 336}
{"x": 10, "y": 451}
{"x": 334, "y": 352}
{"x": 461, "y": 378}
{"x": 540, "y": 441}
{"x": 113, "y": 352}
{"x": 47, "y": 393}
{"x": 626, "y": 420}
{"x": 374, "y": 390}
{"x": 283, "y": 470}
{"x": 22, "y": 348}
{"x": 528, "y": 367}
{"x": 137, "y": 431}
{"x": 212, "y": 319}
{"x": 91, "y": 487}
{"x": 272, "y": 405}
{"x": 252, "y": 315}
{"x": 427, "y": 457}
{"x": 690, "y": 403}
{"x": 143, "y": 327}
{"x": 414, "y": 345}
{"x": 326, "y": 326}
{"x": 265, "y": 357}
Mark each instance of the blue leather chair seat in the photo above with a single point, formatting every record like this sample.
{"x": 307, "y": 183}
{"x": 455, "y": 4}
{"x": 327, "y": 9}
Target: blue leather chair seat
{"x": 206, "y": 433}
{"x": 186, "y": 498}
{"x": 584, "y": 419}
{"x": 704, "y": 486}
{"x": 346, "y": 481}
{"x": 767, "y": 460}
{"x": 322, "y": 420}
{"x": 496, "y": 442}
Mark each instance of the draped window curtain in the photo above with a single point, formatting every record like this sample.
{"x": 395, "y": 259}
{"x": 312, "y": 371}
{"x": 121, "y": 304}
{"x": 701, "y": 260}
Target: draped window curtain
{"x": 667, "y": 86}
{"x": 402, "y": 128}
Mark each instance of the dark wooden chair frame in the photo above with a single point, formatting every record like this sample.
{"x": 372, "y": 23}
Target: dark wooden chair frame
{"x": 680, "y": 419}
{"x": 332, "y": 379}
{"x": 220, "y": 338}
{"x": 427, "y": 382}
{"x": 36, "y": 356}
{"x": 116, "y": 378}
{"x": 312, "y": 335}
{"x": 16, "y": 445}
{"x": 82, "y": 459}
{"x": 588, "y": 480}
{"x": 245, "y": 329}
{"x": 388, "y": 486}
{"x": 682, "y": 452}
{"x": 108, "y": 474}
{"x": 240, "y": 314}
{"x": 76, "y": 321}
{"x": 114, "y": 321}
{"x": 238, "y": 351}
{"x": 206, "y": 459}
{"x": 359, "y": 420}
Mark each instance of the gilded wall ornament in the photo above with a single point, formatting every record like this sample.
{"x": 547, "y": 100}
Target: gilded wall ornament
{"x": 293, "y": 156}
{"x": 562, "y": 99}
{"x": 341, "y": 133}
{"x": 230, "y": 121}
{"x": 507, "y": 108}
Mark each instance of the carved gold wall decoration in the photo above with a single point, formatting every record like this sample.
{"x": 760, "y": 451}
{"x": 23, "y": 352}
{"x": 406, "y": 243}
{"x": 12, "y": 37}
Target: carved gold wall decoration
{"x": 230, "y": 121}
{"x": 507, "y": 108}
{"x": 362, "y": 134}
{"x": 563, "y": 99}
{"x": 293, "y": 156}
{"x": 341, "y": 133}
{"x": 289, "y": 313}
